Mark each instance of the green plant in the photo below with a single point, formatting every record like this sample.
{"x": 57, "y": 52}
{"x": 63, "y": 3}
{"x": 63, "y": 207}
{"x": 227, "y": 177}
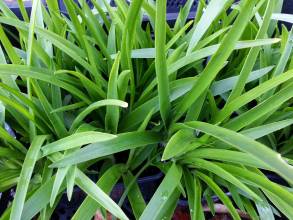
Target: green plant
{"x": 207, "y": 101}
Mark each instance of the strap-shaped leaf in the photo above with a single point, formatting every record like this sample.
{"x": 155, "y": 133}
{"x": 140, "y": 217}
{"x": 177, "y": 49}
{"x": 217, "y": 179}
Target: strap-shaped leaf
{"x": 97, "y": 194}
{"x": 160, "y": 61}
{"x": 76, "y": 140}
{"x": 157, "y": 204}
{"x": 223, "y": 155}
{"x": 214, "y": 8}
{"x": 112, "y": 113}
{"x": 89, "y": 206}
{"x": 94, "y": 106}
{"x": 243, "y": 143}
{"x": 122, "y": 142}
{"x": 268, "y": 106}
{"x": 25, "y": 176}
{"x": 253, "y": 53}
{"x": 205, "y": 164}
{"x": 261, "y": 181}
{"x": 180, "y": 143}
{"x": 224, "y": 198}
{"x": 43, "y": 75}
{"x": 218, "y": 59}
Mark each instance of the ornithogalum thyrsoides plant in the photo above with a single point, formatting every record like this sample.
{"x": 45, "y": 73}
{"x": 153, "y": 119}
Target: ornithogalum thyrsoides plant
{"x": 100, "y": 95}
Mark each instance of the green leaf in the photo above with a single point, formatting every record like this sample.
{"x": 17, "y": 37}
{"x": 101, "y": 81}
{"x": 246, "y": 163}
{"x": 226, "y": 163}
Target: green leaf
{"x": 190, "y": 189}
{"x": 128, "y": 39}
{"x": 77, "y": 27}
{"x": 232, "y": 156}
{"x": 205, "y": 164}
{"x": 243, "y": 143}
{"x": 177, "y": 89}
{"x": 163, "y": 193}
{"x": 25, "y": 176}
{"x": 123, "y": 81}
{"x": 148, "y": 53}
{"x": 112, "y": 113}
{"x": 108, "y": 180}
{"x": 263, "y": 130}
{"x": 180, "y": 143}
{"x": 253, "y": 54}
{"x": 69, "y": 48}
{"x": 95, "y": 28}
{"x": 261, "y": 181}
{"x": 9, "y": 153}
{"x": 91, "y": 87}
{"x": 250, "y": 209}
{"x": 134, "y": 195}
{"x": 236, "y": 196}
{"x": 98, "y": 195}
{"x": 94, "y": 106}
{"x": 76, "y": 140}
{"x": 6, "y": 10}
{"x": 17, "y": 107}
{"x": 70, "y": 179}
{"x": 23, "y": 10}
{"x": 252, "y": 94}
{"x": 15, "y": 143}
{"x": 264, "y": 208}
{"x": 69, "y": 107}
{"x": 283, "y": 17}
{"x": 224, "y": 198}
{"x": 197, "y": 210}
{"x": 217, "y": 60}
{"x": 183, "y": 15}
{"x": 268, "y": 106}
{"x": 212, "y": 37}
{"x": 40, "y": 74}
{"x": 9, "y": 178}
{"x": 175, "y": 38}
{"x": 31, "y": 33}
{"x": 282, "y": 205}
{"x": 214, "y": 8}
{"x": 211, "y": 50}
{"x": 285, "y": 57}
{"x": 122, "y": 142}
{"x": 56, "y": 121}
{"x": 8, "y": 47}
{"x": 39, "y": 200}
{"x": 160, "y": 60}
{"x": 111, "y": 43}
{"x": 60, "y": 176}
{"x": 224, "y": 85}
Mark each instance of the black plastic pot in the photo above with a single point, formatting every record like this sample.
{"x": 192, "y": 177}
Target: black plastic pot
{"x": 276, "y": 178}
{"x": 65, "y": 209}
{"x": 173, "y": 7}
{"x": 148, "y": 186}
{"x": 182, "y": 210}
{"x": 28, "y": 6}
{"x": 7, "y": 196}
{"x": 5, "y": 199}
{"x": 288, "y": 7}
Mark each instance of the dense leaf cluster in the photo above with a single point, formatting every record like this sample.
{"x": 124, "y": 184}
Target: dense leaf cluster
{"x": 106, "y": 94}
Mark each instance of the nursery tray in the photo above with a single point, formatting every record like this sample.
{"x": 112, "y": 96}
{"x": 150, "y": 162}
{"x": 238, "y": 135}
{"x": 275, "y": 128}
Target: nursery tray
{"x": 173, "y": 7}
{"x": 13, "y": 5}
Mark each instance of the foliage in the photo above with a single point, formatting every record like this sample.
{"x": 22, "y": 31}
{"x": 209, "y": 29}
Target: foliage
{"x": 116, "y": 91}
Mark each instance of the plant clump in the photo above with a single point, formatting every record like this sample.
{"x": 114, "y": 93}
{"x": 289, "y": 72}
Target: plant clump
{"x": 103, "y": 95}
